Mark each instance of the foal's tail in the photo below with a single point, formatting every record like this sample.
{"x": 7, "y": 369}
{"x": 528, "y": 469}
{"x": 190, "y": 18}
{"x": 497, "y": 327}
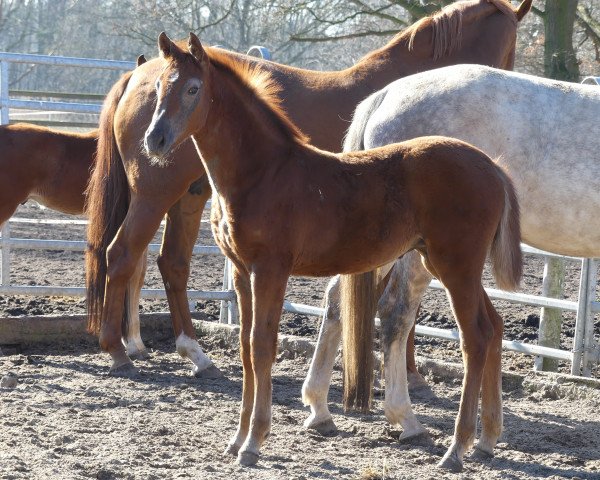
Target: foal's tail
{"x": 358, "y": 305}
{"x": 107, "y": 202}
{"x": 506, "y": 256}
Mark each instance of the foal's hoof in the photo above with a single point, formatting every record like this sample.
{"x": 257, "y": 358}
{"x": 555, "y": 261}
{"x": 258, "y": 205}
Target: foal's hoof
{"x": 421, "y": 439}
{"x": 480, "y": 455}
{"x": 210, "y": 372}
{"x": 140, "y": 354}
{"x": 126, "y": 370}
{"x": 247, "y": 459}
{"x": 232, "y": 449}
{"x": 326, "y": 428}
{"x": 451, "y": 462}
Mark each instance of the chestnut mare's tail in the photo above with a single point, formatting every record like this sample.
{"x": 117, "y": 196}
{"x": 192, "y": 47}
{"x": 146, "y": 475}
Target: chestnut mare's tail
{"x": 358, "y": 305}
{"x": 358, "y": 294}
{"x": 505, "y": 253}
{"x": 107, "y": 201}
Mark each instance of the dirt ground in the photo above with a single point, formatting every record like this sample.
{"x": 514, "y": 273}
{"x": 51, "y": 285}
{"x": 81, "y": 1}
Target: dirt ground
{"x": 67, "y": 419}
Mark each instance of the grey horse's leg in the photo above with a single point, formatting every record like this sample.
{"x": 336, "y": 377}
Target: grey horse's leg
{"x": 397, "y": 310}
{"x": 316, "y": 385}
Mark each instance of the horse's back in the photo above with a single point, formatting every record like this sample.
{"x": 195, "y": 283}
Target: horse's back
{"x": 543, "y": 133}
{"x": 49, "y": 166}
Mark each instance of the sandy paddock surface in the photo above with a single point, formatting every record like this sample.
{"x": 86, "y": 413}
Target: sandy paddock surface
{"x": 67, "y": 419}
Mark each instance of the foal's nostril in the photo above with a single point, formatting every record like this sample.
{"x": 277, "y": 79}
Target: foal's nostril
{"x": 161, "y": 142}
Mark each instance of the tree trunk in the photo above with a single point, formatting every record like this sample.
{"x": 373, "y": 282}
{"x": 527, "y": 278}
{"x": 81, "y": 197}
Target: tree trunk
{"x": 560, "y": 61}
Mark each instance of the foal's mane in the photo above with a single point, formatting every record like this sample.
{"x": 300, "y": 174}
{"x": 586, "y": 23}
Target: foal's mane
{"x": 447, "y": 25}
{"x": 261, "y": 89}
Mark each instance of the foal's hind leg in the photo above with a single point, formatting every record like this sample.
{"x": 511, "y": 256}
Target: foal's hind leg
{"x": 466, "y": 297}
{"x": 397, "y": 309}
{"x": 491, "y": 388}
{"x": 316, "y": 385}
{"x": 181, "y": 232}
{"x": 133, "y": 339}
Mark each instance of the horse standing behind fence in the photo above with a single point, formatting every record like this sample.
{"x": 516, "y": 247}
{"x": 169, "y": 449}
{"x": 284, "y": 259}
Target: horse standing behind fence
{"x": 53, "y": 167}
{"x": 543, "y": 133}
{"x": 130, "y": 202}
{"x": 281, "y": 207}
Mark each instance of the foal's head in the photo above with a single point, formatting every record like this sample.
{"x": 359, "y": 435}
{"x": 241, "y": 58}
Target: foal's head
{"x": 183, "y": 95}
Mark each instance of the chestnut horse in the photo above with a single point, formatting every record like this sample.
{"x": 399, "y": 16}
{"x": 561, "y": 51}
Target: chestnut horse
{"x": 130, "y": 195}
{"x": 282, "y": 207}
{"x": 53, "y": 167}
{"x": 49, "y": 166}
{"x": 545, "y": 157}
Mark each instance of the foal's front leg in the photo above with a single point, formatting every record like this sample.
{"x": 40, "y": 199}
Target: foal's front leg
{"x": 268, "y": 289}
{"x": 241, "y": 282}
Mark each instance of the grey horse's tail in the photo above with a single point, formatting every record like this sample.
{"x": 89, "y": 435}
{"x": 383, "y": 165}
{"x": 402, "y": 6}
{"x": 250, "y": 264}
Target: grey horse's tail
{"x": 354, "y": 139}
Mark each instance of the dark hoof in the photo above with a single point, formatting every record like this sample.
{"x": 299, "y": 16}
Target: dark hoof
{"x": 127, "y": 370}
{"x": 210, "y": 372}
{"x": 140, "y": 355}
{"x": 422, "y": 439}
{"x": 326, "y": 428}
{"x": 480, "y": 455}
{"x": 247, "y": 459}
{"x": 232, "y": 450}
{"x": 451, "y": 463}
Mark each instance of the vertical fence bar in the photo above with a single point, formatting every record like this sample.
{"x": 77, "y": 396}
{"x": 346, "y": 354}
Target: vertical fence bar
{"x": 4, "y": 120}
{"x": 224, "y": 313}
{"x": 583, "y": 312}
{"x": 588, "y": 335}
{"x": 551, "y": 318}
{"x": 4, "y": 68}
{"x": 5, "y": 261}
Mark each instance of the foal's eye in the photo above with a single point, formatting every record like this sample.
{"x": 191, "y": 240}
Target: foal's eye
{"x": 157, "y": 84}
{"x": 193, "y": 91}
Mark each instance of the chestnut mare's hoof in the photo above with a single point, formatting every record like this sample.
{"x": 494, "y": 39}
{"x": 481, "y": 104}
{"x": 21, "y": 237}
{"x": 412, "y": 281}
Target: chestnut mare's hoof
{"x": 480, "y": 455}
{"x": 422, "y": 439}
{"x": 451, "y": 462}
{"x": 140, "y": 355}
{"x": 326, "y": 428}
{"x": 247, "y": 459}
{"x": 126, "y": 370}
{"x": 210, "y": 372}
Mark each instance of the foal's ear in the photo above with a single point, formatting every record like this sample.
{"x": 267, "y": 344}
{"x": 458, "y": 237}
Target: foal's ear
{"x": 140, "y": 60}
{"x": 195, "y": 48}
{"x": 164, "y": 45}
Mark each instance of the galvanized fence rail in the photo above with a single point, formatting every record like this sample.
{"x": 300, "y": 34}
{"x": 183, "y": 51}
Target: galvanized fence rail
{"x": 585, "y": 350}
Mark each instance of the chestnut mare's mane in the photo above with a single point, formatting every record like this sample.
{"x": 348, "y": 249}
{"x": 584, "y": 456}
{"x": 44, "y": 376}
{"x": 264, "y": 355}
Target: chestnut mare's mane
{"x": 447, "y": 26}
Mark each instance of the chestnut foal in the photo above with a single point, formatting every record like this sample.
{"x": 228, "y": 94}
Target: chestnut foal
{"x": 281, "y": 207}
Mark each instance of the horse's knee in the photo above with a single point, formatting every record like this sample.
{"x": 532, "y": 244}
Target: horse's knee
{"x": 120, "y": 265}
{"x": 332, "y": 302}
{"x": 175, "y": 271}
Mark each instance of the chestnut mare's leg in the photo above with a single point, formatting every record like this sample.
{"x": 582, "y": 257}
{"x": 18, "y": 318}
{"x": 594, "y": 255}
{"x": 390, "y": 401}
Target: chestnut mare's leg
{"x": 398, "y": 307}
{"x": 181, "y": 232}
{"x": 407, "y": 297}
{"x": 123, "y": 256}
{"x": 268, "y": 283}
{"x": 134, "y": 345}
